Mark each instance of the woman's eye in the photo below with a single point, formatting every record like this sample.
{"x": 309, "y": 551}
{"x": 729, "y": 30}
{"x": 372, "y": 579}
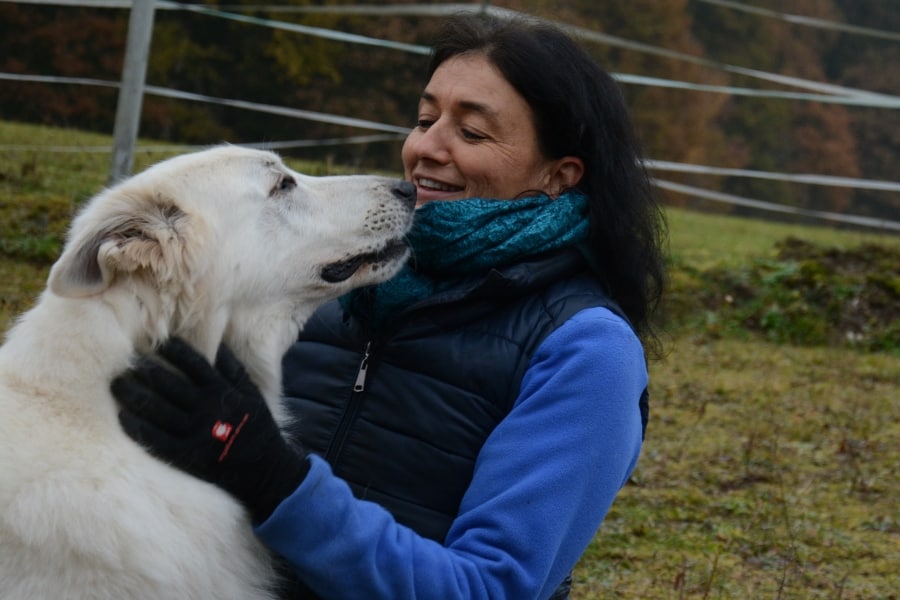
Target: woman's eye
{"x": 424, "y": 123}
{"x": 471, "y": 135}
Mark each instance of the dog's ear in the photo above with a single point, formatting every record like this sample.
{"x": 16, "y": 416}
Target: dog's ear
{"x": 139, "y": 236}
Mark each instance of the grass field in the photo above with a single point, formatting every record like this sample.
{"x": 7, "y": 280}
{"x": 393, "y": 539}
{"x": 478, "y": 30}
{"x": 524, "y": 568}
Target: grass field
{"x": 771, "y": 467}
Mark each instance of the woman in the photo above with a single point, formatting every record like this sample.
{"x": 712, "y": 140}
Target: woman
{"x": 469, "y": 423}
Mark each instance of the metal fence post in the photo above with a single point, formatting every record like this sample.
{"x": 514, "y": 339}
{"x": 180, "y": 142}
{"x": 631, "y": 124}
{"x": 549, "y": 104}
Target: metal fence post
{"x": 131, "y": 92}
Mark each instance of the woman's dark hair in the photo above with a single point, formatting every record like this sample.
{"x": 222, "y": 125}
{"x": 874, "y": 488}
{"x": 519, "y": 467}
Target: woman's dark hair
{"x": 579, "y": 111}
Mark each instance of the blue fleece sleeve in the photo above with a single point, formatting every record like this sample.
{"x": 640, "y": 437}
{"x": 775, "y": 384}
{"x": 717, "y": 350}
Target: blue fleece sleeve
{"x": 543, "y": 482}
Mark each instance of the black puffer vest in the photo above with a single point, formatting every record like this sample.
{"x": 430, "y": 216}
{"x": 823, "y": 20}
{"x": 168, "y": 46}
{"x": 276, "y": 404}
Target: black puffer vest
{"x": 402, "y": 414}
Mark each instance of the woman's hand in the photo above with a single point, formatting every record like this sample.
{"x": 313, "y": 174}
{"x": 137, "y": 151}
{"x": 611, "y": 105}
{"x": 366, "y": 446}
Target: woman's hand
{"x": 212, "y": 422}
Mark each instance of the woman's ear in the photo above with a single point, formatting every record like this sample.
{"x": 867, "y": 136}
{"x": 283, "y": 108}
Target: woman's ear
{"x": 565, "y": 174}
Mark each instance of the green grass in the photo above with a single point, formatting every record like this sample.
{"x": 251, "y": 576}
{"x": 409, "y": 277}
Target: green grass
{"x": 769, "y": 471}
{"x": 704, "y": 240}
{"x": 771, "y": 464}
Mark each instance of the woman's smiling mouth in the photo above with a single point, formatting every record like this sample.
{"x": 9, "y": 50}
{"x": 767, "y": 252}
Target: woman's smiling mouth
{"x": 437, "y": 186}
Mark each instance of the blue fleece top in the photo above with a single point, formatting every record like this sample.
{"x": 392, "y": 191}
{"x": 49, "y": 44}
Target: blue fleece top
{"x": 543, "y": 482}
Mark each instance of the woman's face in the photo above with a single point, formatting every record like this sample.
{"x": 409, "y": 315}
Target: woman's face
{"x": 475, "y": 137}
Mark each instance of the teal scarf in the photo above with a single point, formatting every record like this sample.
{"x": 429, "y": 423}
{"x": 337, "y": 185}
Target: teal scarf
{"x": 457, "y": 238}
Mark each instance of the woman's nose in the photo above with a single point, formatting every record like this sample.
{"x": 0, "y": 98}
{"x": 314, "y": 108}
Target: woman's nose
{"x": 431, "y": 143}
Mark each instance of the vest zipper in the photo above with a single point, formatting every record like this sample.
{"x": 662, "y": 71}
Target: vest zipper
{"x": 340, "y": 437}
{"x": 360, "y": 384}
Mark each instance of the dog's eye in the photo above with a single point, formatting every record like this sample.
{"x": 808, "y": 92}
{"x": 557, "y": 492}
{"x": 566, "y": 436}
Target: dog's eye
{"x": 285, "y": 184}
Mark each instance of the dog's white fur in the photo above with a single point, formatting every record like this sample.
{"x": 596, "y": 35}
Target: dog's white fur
{"x": 225, "y": 244}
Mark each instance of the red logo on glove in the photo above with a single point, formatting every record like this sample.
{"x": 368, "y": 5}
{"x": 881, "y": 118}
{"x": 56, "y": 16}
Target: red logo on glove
{"x": 221, "y": 431}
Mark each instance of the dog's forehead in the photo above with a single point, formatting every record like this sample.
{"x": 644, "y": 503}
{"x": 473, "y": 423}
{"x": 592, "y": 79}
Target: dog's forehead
{"x": 233, "y": 156}
{"x": 225, "y": 156}
{"x": 218, "y": 163}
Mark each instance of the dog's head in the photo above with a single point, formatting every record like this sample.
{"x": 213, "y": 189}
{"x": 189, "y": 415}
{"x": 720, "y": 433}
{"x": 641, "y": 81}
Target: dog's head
{"x": 229, "y": 233}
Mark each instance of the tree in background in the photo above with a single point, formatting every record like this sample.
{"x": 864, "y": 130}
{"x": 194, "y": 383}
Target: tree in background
{"x": 222, "y": 58}
{"x": 870, "y": 63}
{"x": 228, "y": 59}
{"x": 52, "y": 40}
{"x": 774, "y": 134}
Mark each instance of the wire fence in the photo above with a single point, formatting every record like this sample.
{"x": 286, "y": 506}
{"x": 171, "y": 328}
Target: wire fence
{"x": 813, "y": 91}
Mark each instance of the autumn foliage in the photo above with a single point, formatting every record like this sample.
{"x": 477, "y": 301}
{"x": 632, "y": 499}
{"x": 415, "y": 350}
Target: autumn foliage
{"x": 223, "y": 58}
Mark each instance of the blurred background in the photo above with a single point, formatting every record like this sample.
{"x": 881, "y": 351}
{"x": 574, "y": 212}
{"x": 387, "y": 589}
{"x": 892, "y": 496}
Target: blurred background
{"x": 785, "y": 110}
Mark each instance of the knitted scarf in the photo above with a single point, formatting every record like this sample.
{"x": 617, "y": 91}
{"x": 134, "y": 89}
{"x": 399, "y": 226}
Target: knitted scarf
{"x": 453, "y": 239}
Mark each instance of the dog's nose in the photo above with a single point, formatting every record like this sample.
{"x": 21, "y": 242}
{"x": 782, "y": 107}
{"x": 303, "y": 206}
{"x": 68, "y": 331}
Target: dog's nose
{"x": 406, "y": 191}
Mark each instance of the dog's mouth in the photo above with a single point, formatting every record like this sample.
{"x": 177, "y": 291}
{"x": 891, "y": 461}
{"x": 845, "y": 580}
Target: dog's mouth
{"x": 337, "y": 272}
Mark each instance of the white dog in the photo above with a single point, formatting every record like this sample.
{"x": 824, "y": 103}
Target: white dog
{"x": 226, "y": 244}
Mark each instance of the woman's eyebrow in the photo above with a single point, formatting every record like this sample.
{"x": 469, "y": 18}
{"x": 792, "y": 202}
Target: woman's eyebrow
{"x": 467, "y": 105}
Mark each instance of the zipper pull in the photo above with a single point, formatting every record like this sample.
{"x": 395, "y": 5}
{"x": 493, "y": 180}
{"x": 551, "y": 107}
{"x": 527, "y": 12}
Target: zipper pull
{"x": 360, "y": 384}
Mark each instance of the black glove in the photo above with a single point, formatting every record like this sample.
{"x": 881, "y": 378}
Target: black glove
{"x": 211, "y": 422}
